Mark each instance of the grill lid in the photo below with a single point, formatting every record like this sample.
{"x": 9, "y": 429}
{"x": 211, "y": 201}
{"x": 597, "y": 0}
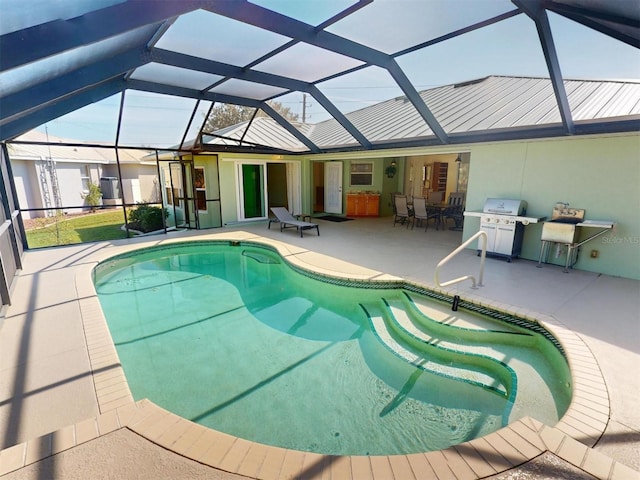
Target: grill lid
{"x": 505, "y": 206}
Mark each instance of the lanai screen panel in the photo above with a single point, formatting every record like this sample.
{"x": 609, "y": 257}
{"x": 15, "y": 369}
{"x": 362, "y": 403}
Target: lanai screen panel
{"x": 69, "y": 61}
{"x": 197, "y": 122}
{"x": 420, "y": 21}
{"x": 176, "y": 76}
{"x": 251, "y": 52}
{"x": 263, "y": 130}
{"x": 149, "y": 119}
{"x": 253, "y": 90}
{"x": 473, "y": 56}
{"x": 13, "y": 16}
{"x": 94, "y": 123}
{"x": 311, "y": 12}
{"x": 307, "y": 63}
{"x": 310, "y": 119}
{"x": 373, "y": 89}
{"x": 586, "y": 54}
{"x": 206, "y": 35}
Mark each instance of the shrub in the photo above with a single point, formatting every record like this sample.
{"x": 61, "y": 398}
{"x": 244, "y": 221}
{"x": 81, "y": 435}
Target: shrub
{"x": 94, "y": 197}
{"x": 146, "y": 218}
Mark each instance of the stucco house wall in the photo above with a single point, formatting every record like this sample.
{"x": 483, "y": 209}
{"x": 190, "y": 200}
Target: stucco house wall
{"x": 599, "y": 174}
{"x": 381, "y": 183}
{"x": 70, "y": 183}
{"x": 27, "y": 189}
{"x": 147, "y": 175}
{"x": 69, "y": 176}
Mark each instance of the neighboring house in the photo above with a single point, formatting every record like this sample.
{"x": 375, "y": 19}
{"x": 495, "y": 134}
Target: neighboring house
{"x": 56, "y": 176}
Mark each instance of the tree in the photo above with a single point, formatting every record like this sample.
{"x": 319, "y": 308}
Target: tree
{"x": 225, "y": 115}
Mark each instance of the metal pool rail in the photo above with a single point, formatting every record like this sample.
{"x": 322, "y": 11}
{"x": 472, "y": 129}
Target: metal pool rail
{"x": 483, "y": 255}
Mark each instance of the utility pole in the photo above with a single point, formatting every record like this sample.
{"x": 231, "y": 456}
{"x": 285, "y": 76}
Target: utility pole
{"x": 304, "y": 107}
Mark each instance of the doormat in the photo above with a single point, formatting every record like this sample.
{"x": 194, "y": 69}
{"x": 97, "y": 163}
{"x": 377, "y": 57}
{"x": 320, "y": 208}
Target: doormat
{"x": 333, "y": 218}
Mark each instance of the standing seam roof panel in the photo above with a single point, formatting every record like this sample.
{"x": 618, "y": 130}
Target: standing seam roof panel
{"x": 400, "y": 122}
{"x": 596, "y": 102}
{"x": 491, "y": 98}
{"x": 463, "y": 103}
{"x": 447, "y": 102}
{"x": 329, "y": 133}
{"x": 545, "y": 111}
{"x": 579, "y": 96}
{"x": 374, "y": 129}
{"x": 263, "y": 132}
{"x": 522, "y": 115}
{"x": 507, "y": 102}
{"x": 625, "y": 102}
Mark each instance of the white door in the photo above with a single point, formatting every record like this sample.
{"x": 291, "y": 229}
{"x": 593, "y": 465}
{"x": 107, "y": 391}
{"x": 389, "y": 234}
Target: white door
{"x": 333, "y": 187}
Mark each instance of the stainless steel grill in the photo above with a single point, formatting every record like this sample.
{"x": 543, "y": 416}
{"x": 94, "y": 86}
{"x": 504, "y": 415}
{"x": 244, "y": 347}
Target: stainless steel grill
{"x": 504, "y": 220}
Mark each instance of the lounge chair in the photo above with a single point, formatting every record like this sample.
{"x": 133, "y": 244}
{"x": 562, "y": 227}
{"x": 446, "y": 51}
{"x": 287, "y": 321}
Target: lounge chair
{"x": 287, "y": 220}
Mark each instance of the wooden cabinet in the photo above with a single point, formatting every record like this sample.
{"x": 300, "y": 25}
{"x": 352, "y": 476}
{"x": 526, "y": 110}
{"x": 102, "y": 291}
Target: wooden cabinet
{"x": 439, "y": 173}
{"x": 363, "y": 204}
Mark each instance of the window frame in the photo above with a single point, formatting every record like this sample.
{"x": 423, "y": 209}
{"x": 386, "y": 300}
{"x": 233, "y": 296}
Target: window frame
{"x": 361, "y": 174}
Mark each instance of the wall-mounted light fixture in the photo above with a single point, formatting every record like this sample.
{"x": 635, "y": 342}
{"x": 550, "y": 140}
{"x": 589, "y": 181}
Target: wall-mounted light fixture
{"x": 458, "y": 163}
{"x": 391, "y": 169}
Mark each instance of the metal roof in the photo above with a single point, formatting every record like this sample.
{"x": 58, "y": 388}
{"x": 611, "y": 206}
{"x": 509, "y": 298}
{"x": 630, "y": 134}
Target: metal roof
{"x": 491, "y": 106}
{"x": 61, "y": 57}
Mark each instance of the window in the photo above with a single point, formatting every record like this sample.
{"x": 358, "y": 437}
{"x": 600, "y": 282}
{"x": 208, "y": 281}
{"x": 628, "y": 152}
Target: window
{"x": 85, "y": 178}
{"x": 199, "y": 183}
{"x": 361, "y": 174}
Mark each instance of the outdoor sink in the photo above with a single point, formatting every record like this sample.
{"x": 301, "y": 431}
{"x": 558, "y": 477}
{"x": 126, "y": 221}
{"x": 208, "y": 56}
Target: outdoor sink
{"x": 562, "y": 226}
{"x": 560, "y": 230}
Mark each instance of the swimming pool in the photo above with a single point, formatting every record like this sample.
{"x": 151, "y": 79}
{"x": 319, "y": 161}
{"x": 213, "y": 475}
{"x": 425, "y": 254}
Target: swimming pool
{"x": 234, "y": 338}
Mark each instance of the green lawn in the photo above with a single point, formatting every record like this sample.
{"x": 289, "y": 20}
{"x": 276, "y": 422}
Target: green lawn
{"x": 86, "y": 228}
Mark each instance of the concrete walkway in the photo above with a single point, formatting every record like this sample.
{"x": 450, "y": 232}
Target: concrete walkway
{"x": 51, "y": 378}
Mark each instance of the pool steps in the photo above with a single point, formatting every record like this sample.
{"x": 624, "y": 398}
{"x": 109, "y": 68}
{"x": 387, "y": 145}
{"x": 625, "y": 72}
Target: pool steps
{"x": 456, "y": 334}
{"x": 406, "y": 331}
{"x": 445, "y": 342}
{"x": 446, "y": 370}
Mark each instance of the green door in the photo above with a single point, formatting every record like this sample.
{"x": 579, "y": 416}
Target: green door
{"x": 253, "y": 191}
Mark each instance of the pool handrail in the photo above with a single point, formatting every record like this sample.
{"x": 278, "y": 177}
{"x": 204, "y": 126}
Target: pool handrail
{"x": 483, "y": 249}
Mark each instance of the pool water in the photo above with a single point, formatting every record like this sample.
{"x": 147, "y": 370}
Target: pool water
{"x": 233, "y": 338}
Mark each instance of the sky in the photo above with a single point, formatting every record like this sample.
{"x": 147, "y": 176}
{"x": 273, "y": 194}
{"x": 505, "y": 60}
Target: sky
{"x": 510, "y": 47}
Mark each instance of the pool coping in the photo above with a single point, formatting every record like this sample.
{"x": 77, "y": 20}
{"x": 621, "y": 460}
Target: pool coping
{"x": 580, "y": 428}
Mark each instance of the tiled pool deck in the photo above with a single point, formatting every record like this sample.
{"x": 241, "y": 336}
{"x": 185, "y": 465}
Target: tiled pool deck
{"x": 522, "y": 441}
